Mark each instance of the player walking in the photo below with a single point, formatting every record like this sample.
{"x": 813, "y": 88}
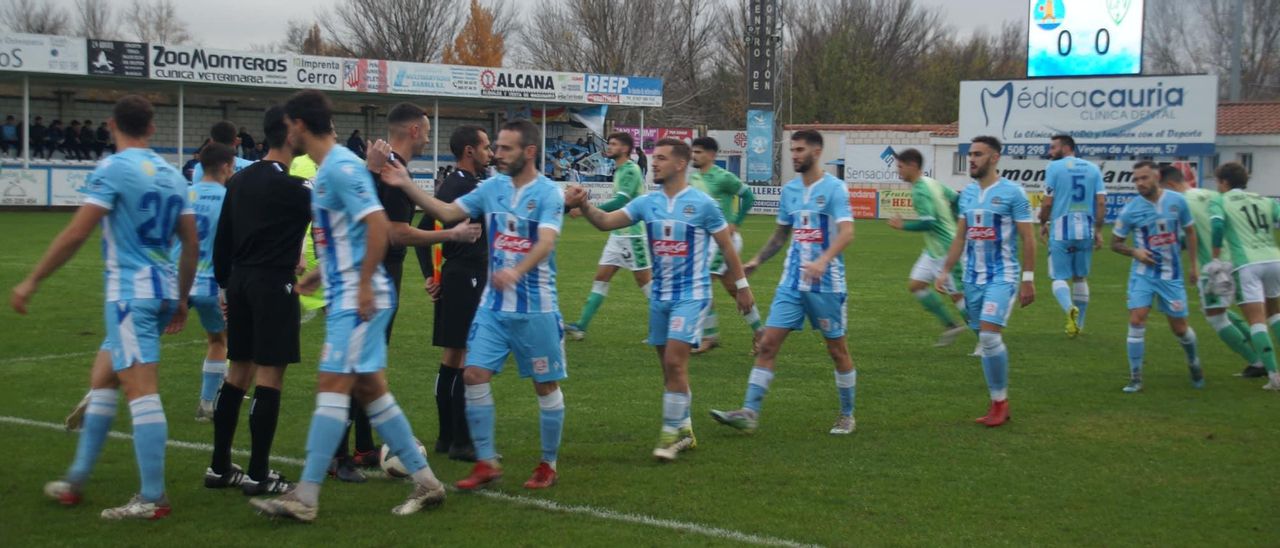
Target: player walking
{"x": 1071, "y": 215}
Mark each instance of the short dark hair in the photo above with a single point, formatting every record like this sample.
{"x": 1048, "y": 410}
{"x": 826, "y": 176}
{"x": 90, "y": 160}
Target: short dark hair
{"x": 1170, "y": 174}
{"x": 403, "y": 112}
{"x": 1233, "y": 173}
{"x": 463, "y": 137}
{"x": 707, "y": 143}
{"x": 1066, "y": 140}
{"x": 989, "y": 141}
{"x": 529, "y": 134}
{"x": 910, "y": 156}
{"x": 1146, "y": 163}
{"x": 274, "y": 129}
{"x": 133, "y": 115}
{"x": 313, "y": 109}
{"x": 224, "y": 132}
{"x": 214, "y": 155}
{"x": 679, "y": 148}
{"x": 624, "y": 138}
{"x": 809, "y": 136}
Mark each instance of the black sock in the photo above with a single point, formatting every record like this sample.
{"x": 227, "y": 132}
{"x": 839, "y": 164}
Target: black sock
{"x": 458, "y": 397}
{"x": 341, "y": 453}
{"x": 226, "y": 414}
{"x": 264, "y": 413}
{"x": 364, "y": 431}
{"x": 444, "y": 403}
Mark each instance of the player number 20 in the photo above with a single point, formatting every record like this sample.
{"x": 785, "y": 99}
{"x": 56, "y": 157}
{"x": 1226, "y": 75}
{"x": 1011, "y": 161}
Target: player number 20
{"x": 155, "y": 231}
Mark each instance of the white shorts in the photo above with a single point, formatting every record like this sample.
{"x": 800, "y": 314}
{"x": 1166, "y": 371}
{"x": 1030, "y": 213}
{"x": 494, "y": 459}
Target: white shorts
{"x": 1259, "y": 282}
{"x": 629, "y": 252}
{"x": 927, "y": 269}
{"x": 718, "y": 268}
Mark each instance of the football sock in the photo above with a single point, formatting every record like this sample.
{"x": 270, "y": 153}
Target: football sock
{"x": 845, "y": 386}
{"x": 1238, "y": 321}
{"x": 674, "y": 406}
{"x": 1137, "y": 347}
{"x": 1262, "y": 344}
{"x": 1062, "y": 292}
{"x": 480, "y": 417}
{"x": 1188, "y": 342}
{"x": 711, "y": 325}
{"x": 931, "y": 303}
{"x": 214, "y": 371}
{"x": 327, "y": 423}
{"x": 150, "y": 431}
{"x": 1080, "y": 297}
{"x": 647, "y": 289}
{"x": 444, "y": 402}
{"x": 226, "y": 415}
{"x": 458, "y": 399}
{"x": 757, "y": 388}
{"x": 264, "y": 414}
{"x": 385, "y": 415}
{"x": 1233, "y": 337}
{"x": 599, "y": 290}
{"x": 1273, "y": 321}
{"x": 687, "y": 421}
{"x": 93, "y": 432}
{"x": 551, "y": 421}
{"x": 995, "y": 364}
{"x": 753, "y": 319}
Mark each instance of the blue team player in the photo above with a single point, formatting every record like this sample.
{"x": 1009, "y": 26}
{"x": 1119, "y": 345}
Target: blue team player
{"x": 1071, "y": 215}
{"x": 224, "y": 133}
{"x": 206, "y": 197}
{"x": 350, "y": 234}
{"x": 995, "y": 219}
{"x": 681, "y": 222}
{"x": 141, "y": 203}
{"x": 1155, "y": 219}
{"x": 519, "y": 314}
{"x": 814, "y": 213}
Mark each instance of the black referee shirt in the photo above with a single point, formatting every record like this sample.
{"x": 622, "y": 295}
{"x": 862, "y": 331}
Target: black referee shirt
{"x": 475, "y": 254}
{"x": 264, "y": 216}
{"x": 398, "y": 207}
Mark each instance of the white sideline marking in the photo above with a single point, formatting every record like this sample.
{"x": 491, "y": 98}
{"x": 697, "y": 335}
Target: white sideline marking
{"x": 520, "y": 500}
{"x": 85, "y": 354}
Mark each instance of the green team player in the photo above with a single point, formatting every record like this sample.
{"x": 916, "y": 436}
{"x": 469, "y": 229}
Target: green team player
{"x": 1231, "y": 328}
{"x": 626, "y": 247}
{"x": 934, "y": 203}
{"x": 735, "y": 200}
{"x": 303, "y": 166}
{"x": 1243, "y": 222}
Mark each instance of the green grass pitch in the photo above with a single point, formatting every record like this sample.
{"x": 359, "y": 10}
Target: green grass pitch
{"x": 1080, "y": 464}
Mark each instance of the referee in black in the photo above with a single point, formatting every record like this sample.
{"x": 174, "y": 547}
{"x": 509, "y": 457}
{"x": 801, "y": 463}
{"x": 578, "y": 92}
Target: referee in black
{"x": 462, "y": 278}
{"x": 255, "y": 255}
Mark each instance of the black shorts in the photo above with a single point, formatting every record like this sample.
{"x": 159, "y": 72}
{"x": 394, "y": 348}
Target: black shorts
{"x": 460, "y": 288}
{"x": 263, "y": 317}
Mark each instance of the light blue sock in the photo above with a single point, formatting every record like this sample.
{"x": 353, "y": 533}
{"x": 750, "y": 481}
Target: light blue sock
{"x": 551, "y": 422}
{"x": 150, "y": 431}
{"x": 1080, "y": 297}
{"x": 328, "y": 423}
{"x": 757, "y": 387}
{"x": 211, "y": 381}
{"x": 1188, "y": 342}
{"x": 845, "y": 386}
{"x": 480, "y": 417}
{"x": 93, "y": 433}
{"x": 674, "y": 406}
{"x": 687, "y": 421}
{"x": 1062, "y": 292}
{"x": 995, "y": 364}
{"x": 1137, "y": 347}
{"x": 393, "y": 427}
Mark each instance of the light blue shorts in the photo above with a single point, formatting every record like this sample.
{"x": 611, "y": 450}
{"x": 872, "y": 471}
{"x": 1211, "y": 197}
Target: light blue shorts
{"x": 677, "y": 320}
{"x": 210, "y": 312}
{"x": 991, "y": 303}
{"x": 1070, "y": 259}
{"x": 1172, "y": 293}
{"x": 134, "y": 328}
{"x": 353, "y": 345}
{"x": 536, "y": 340}
{"x": 825, "y": 311}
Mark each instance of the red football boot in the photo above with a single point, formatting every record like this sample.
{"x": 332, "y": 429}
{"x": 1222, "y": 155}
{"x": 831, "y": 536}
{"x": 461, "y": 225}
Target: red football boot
{"x": 544, "y": 476}
{"x": 482, "y": 474}
{"x": 997, "y": 415}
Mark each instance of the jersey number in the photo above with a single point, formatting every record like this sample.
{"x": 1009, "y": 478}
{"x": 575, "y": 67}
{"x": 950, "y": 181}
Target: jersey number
{"x": 1257, "y": 220}
{"x": 155, "y": 231}
{"x": 1077, "y": 188}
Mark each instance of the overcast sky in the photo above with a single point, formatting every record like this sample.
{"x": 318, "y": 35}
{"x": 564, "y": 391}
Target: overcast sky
{"x": 235, "y": 24}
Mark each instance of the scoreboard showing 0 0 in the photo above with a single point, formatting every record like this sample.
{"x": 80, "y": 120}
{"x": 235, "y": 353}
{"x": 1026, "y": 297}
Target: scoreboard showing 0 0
{"x": 1084, "y": 37}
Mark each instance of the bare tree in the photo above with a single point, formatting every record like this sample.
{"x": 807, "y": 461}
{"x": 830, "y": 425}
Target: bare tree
{"x": 157, "y": 21}
{"x": 1260, "y": 55}
{"x": 403, "y": 30}
{"x": 94, "y": 19}
{"x": 34, "y": 17}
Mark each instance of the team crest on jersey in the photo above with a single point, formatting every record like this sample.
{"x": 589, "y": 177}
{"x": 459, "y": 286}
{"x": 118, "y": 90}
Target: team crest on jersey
{"x": 531, "y": 205}
{"x": 804, "y": 219}
{"x": 820, "y": 200}
{"x": 688, "y": 211}
{"x": 511, "y": 225}
{"x": 666, "y": 231}
{"x": 996, "y": 201}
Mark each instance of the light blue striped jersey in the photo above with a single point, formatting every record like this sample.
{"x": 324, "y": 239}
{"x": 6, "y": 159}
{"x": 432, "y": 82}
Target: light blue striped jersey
{"x": 342, "y": 197}
{"x": 1075, "y": 185}
{"x": 814, "y": 214}
{"x": 205, "y": 198}
{"x": 991, "y": 233}
{"x": 679, "y": 230}
{"x": 145, "y": 196}
{"x": 512, "y": 218}
{"x": 197, "y": 173}
{"x": 1158, "y": 228}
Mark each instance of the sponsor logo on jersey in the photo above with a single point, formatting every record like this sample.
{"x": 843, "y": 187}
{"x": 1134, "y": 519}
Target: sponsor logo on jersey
{"x": 981, "y": 233}
{"x": 671, "y": 248}
{"x": 807, "y": 235}
{"x": 1162, "y": 239}
{"x": 516, "y": 244}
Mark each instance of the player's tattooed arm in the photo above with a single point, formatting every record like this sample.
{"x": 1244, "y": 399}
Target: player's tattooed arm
{"x": 770, "y": 248}
{"x": 1119, "y": 244}
{"x": 395, "y": 174}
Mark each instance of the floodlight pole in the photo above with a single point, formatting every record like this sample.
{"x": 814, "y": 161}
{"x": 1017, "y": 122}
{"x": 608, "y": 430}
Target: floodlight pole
{"x": 641, "y": 131}
{"x": 1237, "y": 27}
{"x": 182, "y": 100}
{"x": 542, "y": 159}
{"x": 435, "y": 143}
{"x": 26, "y": 122}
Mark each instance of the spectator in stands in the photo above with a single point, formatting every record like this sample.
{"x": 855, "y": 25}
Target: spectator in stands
{"x": 104, "y": 140}
{"x": 356, "y": 143}
{"x": 560, "y": 167}
{"x": 88, "y": 140}
{"x": 38, "y": 135}
{"x": 53, "y": 140}
{"x": 71, "y": 142}
{"x": 642, "y": 160}
{"x": 248, "y": 150}
{"x": 259, "y": 151}
{"x": 9, "y": 135}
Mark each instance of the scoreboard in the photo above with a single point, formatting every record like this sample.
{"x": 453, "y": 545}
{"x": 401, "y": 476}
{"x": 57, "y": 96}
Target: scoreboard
{"x": 1084, "y": 37}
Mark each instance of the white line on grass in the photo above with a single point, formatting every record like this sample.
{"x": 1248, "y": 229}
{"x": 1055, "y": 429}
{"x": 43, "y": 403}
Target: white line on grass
{"x": 85, "y": 354}
{"x": 519, "y": 500}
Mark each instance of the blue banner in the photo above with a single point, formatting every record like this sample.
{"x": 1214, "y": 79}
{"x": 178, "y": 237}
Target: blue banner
{"x": 760, "y": 147}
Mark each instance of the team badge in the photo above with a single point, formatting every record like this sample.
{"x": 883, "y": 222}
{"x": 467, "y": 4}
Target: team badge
{"x": 688, "y": 211}
{"x": 997, "y": 201}
{"x": 511, "y": 225}
{"x": 531, "y": 205}
{"x": 666, "y": 231}
{"x": 821, "y": 200}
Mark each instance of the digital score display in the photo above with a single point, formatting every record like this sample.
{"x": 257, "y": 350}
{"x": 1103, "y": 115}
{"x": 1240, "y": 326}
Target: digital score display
{"x": 1084, "y": 37}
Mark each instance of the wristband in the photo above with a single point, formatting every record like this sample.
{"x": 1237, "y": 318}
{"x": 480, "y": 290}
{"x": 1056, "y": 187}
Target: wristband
{"x": 741, "y": 283}
{"x": 1028, "y": 276}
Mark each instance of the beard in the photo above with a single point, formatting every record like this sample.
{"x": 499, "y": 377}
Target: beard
{"x": 511, "y": 169}
{"x": 1057, "y": 156}
{"x": 803, "y": 166}
{"x": 980, "y": 171}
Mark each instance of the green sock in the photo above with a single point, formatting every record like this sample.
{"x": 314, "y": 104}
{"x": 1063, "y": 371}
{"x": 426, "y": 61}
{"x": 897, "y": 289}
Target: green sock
{"x": 593, "y": 304}
{"x": 753, "y": 319}
{"x": 1238, "y": 321}
{"x": 930, "y": 301}
{"x": 1262, "y": 343}
{"x": 1237, "y": 342}
{"x": 711, "y": 326}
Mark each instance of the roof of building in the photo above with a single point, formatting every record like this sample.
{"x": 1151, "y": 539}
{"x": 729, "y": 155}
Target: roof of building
{"x": 1249, "y": 118}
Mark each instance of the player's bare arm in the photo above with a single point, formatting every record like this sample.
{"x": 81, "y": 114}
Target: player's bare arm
{"x": 1027, "y": 291}
{"x": 375, "y": 249}
{"x": 395, "y": 174}
{"x": 771, "y": 247}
